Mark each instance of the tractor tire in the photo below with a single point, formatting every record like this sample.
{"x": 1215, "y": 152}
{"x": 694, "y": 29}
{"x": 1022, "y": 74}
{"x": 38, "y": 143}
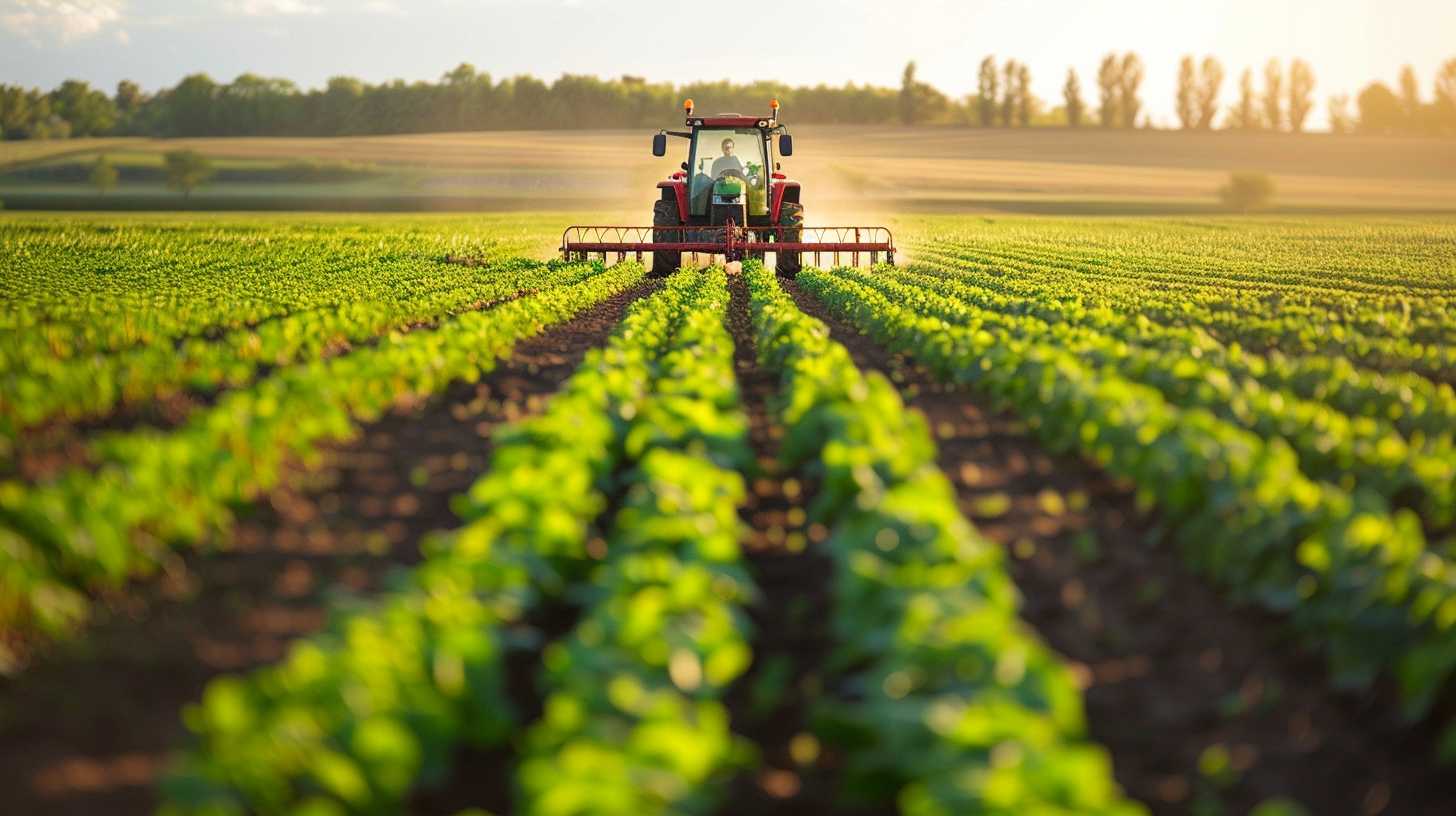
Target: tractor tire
{"x": 664, "y": 214}
{"x": 791, "y": 218}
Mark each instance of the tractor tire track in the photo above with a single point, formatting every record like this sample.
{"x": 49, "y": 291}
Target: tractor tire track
{"x": 88, "y": 727}
{"x": 1201, "y": 706}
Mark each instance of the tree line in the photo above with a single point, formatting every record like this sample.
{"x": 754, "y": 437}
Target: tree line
{"x": 1287, "y": 98}
{"x": 466, "y": 99}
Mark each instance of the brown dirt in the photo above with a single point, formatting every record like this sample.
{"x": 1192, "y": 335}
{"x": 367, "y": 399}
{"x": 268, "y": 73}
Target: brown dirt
{"x": 88, "y": 727}
{"x": 770, "y": 704}
{"x": 1174, "y": 676}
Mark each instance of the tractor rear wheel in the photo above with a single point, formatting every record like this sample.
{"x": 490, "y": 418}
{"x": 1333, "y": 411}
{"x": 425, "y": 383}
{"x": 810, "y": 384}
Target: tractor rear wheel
{"x": 791, "y": 219}
{"x": 664, "y": 214}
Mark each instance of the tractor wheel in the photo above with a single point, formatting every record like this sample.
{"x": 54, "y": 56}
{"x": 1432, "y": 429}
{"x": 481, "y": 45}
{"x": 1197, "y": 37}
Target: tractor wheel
{"x": 791, "y": 218}
{"x": 664, "y": 214}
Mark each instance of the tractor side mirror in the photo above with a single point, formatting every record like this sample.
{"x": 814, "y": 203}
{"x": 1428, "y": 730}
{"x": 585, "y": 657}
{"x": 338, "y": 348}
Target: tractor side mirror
{"x": 659, "y": 144}
{"x": 786, "y": 144}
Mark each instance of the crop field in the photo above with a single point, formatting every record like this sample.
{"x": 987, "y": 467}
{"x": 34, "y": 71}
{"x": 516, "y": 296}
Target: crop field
{"x": 379, "y": 514}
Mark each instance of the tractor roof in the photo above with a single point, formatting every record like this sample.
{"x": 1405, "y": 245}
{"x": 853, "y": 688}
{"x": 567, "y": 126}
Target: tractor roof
{"x": 734, "y": 120}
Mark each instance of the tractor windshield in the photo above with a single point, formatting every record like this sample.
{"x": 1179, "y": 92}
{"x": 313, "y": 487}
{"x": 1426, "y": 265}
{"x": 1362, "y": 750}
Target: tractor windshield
{"x": 731, "y": 153}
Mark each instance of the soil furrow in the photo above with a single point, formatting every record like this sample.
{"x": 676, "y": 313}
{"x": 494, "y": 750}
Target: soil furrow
{"x": 88, "y": 727}
{"x": 791, "y": 635}
{"x": 1203, "y": 707}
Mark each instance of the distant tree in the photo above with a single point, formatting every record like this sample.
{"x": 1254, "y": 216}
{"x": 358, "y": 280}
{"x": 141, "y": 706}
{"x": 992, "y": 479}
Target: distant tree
{"x": 129, "y": 101}
{"x": 1301, "y": 88}
{"x": 191, "y": 106}
{"x": 252, "y": 105}
{"x": 339, "y": 108}
{"x": 986, "y": 92}
{"x": 52, "y": 127}
{"x": 918, "y": 101}
{"x": 1410, "y": 99}
{"x": 187, "y": 170}
{"x": 22, "y": 111}
{"x": 1244, "y": 115}
{"x": 1273, "y": 101}
{"x": 1187, "y": 80}
{"x": 467, "y": 97}
{"x": 909, "y": 114}
{"x": 1024, "y": 102}
{"x": 1008, "y": 93}
{"x": 88, "y": 111}
{"x": 1340, "y": 119}
{"x": 1072, "y": 96}
{"x": 1130, "y": 80}
{"x": 1446, "y": 96}
{"x": 1209, "y": 82}
{"x": 1380, "y": 109}
{"x": 103, "y": 174}
{"x": 129, "y": 97}
{"x": 1109, "y": 80}
{"x": 1247, "y": 191}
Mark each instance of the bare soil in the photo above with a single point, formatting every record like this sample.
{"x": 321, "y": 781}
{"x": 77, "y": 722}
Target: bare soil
{"x": 1205, "y": 708}
{"x": 88, "y": 727}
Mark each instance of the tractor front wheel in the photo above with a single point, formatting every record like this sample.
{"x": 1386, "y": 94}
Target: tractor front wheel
{"x": 791, "y": 220}
{"x": 664, "y": 214}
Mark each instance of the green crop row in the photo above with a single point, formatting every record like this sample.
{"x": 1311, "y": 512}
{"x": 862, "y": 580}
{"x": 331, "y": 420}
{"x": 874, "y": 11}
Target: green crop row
{"x": 92, "y": 385}
{"x": 944, "y": 699}
{"x": 1361, "y": 451}
{"x": 151, "y": 488}
{"x": 1413, "y": 404}
{"x": 1356, "y": 582}
{"x": 1389, "y": 326}
{"x": 1328, "y": 260}
{"x": 633, "y": 719}
{"x": 427, "y": 661}
{"x": 1126, "y": 274}
{"x": 363, "y": 714}
{"x": 76, "y": 289}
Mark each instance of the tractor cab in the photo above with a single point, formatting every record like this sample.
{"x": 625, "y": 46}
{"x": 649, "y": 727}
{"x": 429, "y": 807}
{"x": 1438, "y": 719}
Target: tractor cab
{"x": 730, "y": 172}
{"x": 727, "y": 168}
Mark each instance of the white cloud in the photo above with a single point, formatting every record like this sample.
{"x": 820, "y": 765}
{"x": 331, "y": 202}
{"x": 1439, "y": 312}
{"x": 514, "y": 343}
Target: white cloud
{"x": 62, "y": 19}
{"x": 273, "y": 8}
{"x": 382, "y": 7}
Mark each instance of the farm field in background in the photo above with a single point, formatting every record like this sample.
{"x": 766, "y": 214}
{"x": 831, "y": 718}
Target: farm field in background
{"x": 901, "y": 170}
{"x": 380, "y": 513}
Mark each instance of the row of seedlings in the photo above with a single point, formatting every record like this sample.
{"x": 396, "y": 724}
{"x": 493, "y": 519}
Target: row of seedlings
{"x": 152, "y": 489}
{"x": 1355, "y": 581}
{"x": 359, "y": 717}
{"x": 945, "y": 700}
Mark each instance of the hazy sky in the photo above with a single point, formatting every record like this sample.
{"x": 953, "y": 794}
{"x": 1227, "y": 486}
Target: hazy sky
{"x": 156, "y": 42}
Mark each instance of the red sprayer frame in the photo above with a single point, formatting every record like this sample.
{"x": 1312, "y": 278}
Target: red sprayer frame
{"x": 729, "y": 240}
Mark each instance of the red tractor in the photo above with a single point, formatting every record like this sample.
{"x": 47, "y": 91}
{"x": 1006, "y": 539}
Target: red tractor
{"x": 729, "y": 199}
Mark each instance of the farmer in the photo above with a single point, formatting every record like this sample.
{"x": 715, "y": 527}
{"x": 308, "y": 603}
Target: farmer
{"x": 727, "y": 161}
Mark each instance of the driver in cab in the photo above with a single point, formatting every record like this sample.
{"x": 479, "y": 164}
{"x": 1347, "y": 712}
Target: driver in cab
{"x": 727, "y": 162}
